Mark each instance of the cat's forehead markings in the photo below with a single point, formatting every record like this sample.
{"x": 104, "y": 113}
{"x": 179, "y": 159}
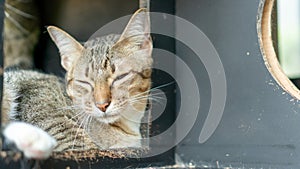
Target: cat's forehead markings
{"x": 86, "y": 72}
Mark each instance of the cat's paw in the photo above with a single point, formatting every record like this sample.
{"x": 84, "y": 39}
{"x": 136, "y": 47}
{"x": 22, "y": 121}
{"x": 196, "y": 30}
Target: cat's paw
{"x": 32, "y": 141}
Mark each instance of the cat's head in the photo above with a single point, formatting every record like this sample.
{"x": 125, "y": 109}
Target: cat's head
{"x": 109, "y": 77}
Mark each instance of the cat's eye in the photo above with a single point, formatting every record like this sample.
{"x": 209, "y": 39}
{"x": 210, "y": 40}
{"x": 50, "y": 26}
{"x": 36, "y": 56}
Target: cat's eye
{"x": 85, "y": 83}
{"x": 122, "y": 76}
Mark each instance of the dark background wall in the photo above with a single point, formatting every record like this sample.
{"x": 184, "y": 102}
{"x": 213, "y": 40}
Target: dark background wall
{"x": 79, "y": 18}
{"x": 260, "y": 124}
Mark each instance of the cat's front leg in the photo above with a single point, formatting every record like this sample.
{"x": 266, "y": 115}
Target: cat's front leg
{"x": 32, "y": 141}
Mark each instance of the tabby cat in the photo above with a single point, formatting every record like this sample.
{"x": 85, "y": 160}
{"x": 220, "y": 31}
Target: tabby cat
{"x": 99, "y": 104}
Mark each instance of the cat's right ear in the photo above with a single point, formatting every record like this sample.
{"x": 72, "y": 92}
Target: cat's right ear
{"x": 70, "y": 50}
{"x": 136, "y": 35}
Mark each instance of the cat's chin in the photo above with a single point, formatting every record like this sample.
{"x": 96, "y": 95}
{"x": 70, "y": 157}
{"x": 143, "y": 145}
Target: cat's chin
{"x": 108, "y": 119}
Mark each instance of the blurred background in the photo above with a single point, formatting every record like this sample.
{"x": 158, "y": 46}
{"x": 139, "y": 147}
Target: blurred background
{"x": 80, "y": 19}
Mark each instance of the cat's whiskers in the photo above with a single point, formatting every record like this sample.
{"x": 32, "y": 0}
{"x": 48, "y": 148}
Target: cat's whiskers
{"x": 118, "y": 107}
{"x": 154, "y": 89}
{"x": 76, "y": 118}
{"x": 75, "y": 123}
{"x": 85, "y": 116}
{"x": 142, "y": 93}
{"x": 77, "y": 115}
{"x": 139, "y": 98}
{"x": 155, "y": 98}
{"x": 140, "y": 101}
{"x": 80, "y": 115}
{"x": 143, "y": 96}
{"x": 89, "y": 122}
{"x": 150, "y": 97}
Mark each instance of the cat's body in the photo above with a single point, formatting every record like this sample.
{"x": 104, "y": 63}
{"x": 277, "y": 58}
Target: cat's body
{"x": 41, "y": 100}
{"x": 102, "y": 100}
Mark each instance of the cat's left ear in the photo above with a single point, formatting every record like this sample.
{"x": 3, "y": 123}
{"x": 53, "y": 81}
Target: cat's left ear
{"x": 137, "y": 32}
{"x": 70, "y": 50}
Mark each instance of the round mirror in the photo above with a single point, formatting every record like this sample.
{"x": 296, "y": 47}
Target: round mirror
{"x": 288, "y": 31}
{"x": 279, "y": 36}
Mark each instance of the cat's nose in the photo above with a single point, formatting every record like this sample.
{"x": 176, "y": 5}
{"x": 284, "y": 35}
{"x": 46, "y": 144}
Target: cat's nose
{"x": 103, "y": 106}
